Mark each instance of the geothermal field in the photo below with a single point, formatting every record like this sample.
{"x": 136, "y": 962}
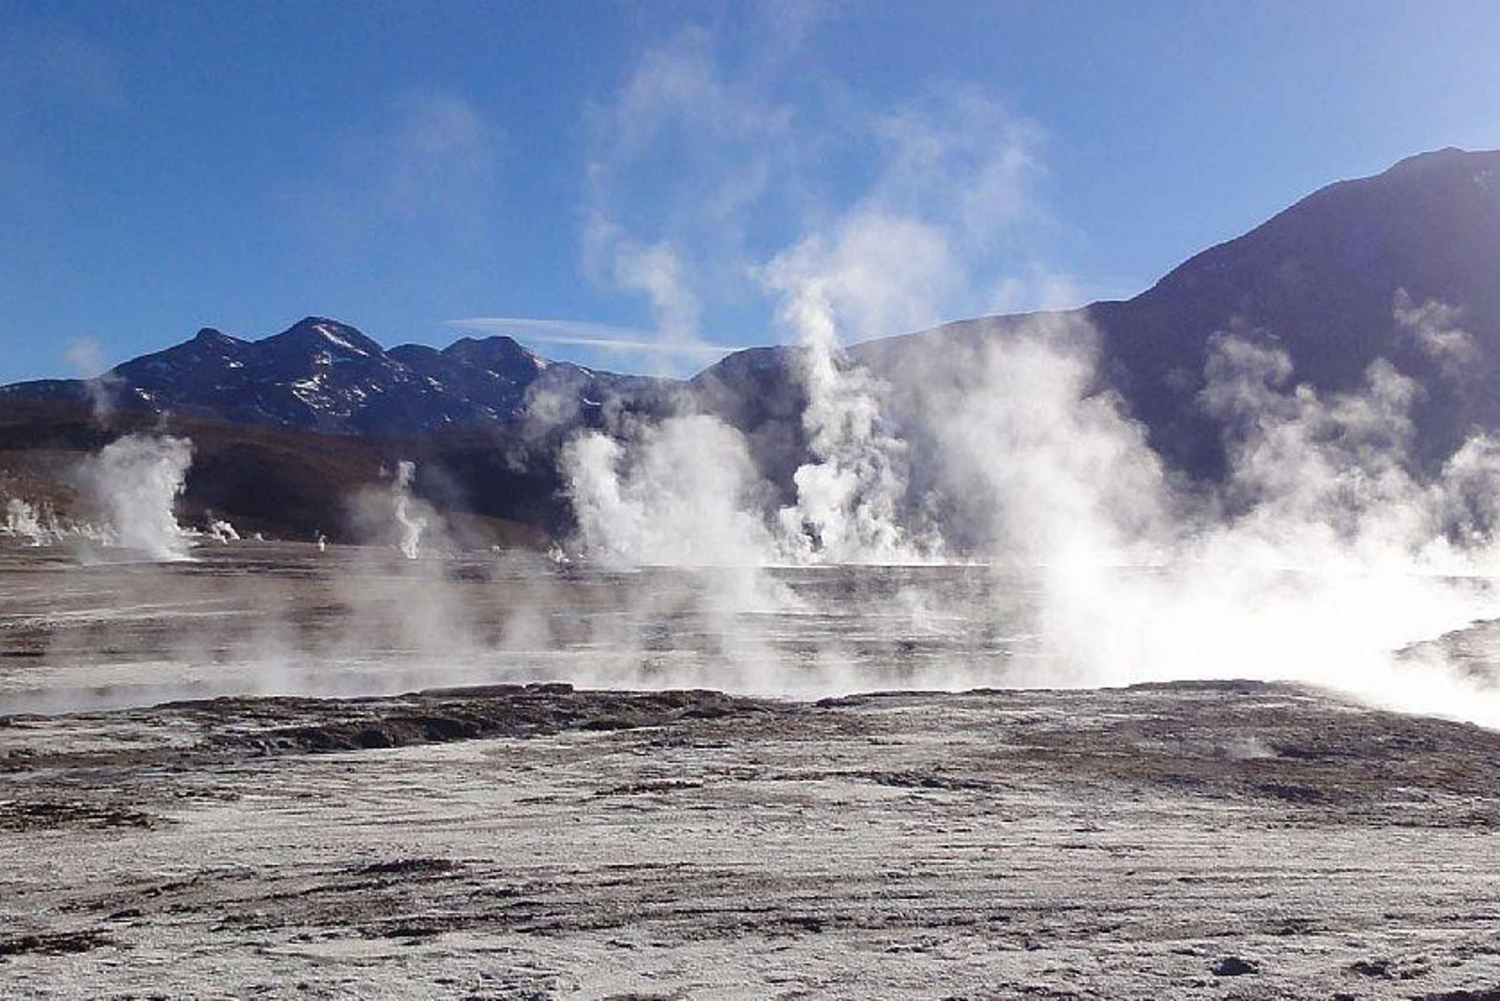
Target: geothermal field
{"x": 290, "y": 770}
{"x": 1146, "y": 738}
{"x": 818, "y": 503}
{"x": 1157, "y": 739}
{"x": 1065, "y": 655}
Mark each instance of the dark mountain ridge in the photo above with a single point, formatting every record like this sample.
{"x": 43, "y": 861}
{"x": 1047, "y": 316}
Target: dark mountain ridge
{"x": 327, "y": 376}
{"x": 1322, "y": 278}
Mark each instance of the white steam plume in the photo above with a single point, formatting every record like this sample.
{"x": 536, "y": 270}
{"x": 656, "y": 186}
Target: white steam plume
{"x": 953, "y": 180}
{"x": 850, "y": 497}
{"x": 393, "y": 516}
{"x": 23, "y": 521}
{"x": 952, "y": 175}
{"x": 1039, "y": 470}
{"x": 134, "y": 483}
{"x": 85, "y": 357}
{"x": 412, "y": 524}
{"x": 1434, "y": 327}
{"x": 681, "y": 493}
{"x": 1322, "y": 559}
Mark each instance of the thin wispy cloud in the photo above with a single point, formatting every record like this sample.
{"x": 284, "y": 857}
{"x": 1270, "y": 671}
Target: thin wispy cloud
{"x": 581, "y": 333}
{"x": 684, "y": 162}
{"x": 84, "y": 356}
{"x": 429, "y": 166}
{"x": 440, "y": 155}
{"x": 709, "y": 186}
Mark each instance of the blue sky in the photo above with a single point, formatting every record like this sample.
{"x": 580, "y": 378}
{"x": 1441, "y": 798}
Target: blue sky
{"x": 661, "y": 177}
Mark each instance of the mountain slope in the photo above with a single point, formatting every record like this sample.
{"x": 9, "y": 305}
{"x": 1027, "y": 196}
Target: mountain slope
{"x": 1325, "y": 280}
{"x": 1322, "y": 278}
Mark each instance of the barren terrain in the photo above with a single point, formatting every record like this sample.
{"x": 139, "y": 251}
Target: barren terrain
{"x": 521, "y": 841}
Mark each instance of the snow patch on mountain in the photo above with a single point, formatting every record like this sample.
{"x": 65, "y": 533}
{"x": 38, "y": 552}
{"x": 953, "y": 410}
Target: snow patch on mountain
{"x": 324, "y": 375}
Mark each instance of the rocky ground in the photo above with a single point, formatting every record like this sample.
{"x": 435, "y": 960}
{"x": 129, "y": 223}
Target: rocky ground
{"x": 1229, "y": 840}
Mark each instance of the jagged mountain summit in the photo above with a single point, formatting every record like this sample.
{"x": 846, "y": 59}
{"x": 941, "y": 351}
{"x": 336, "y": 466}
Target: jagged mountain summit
{"x": 323, "y": 375}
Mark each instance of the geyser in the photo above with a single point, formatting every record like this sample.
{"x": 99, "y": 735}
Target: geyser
{"x": 412, "y": 525}
{"x": 133, "y": 483}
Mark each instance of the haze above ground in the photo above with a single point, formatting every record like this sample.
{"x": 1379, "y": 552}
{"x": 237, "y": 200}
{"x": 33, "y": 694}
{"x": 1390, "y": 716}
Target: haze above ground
{"x": 655, "y": 167}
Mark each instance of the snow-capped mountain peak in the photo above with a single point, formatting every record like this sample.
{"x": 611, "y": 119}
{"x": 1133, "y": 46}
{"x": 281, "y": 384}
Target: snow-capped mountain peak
{"x": 321, "y": 374}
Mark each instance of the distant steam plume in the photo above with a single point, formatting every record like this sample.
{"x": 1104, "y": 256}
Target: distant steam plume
{"x": 412, "y": 524}
{"x": 85, "y": 357}
{"x": 23, "y": 521}
{"x": 849, "y": 497}
{"x": 395, "y": 516}
{"x": 681, "y": 493}
{"x": 1435, "y": 327}
{"x": 134, "y": 483}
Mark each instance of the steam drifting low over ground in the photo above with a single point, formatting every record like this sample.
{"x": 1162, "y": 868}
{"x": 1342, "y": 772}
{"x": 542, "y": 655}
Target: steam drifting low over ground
{"x": 263, "y": 618}
{"x": 252, "y": 617}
